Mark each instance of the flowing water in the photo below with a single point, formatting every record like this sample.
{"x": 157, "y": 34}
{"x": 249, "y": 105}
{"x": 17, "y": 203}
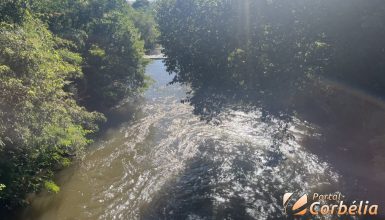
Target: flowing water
{"x": 157, "y": 160}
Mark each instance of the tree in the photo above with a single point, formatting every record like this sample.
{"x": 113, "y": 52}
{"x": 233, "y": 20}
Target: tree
{"x": 104, "y": 33}
{"x": 114, "y": 60}
{"x": 55, "y": 58}
{"x": 41, "y": 123}
{"x": 140, "y": 4}
{"x": 269, "y": 52}
{"x": 147, "y": 27}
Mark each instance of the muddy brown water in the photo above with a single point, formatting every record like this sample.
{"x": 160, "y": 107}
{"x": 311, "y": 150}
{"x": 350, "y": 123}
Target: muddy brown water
{"x": 160, "y": 161}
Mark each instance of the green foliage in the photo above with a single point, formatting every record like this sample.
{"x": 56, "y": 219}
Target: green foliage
{"x": 147, "y": 27}
{"x": 51, "y": 186}
{"x": 104, "y": 33}
{"x": 55, "y": 57}
{"x": 12, "y": 10}
{"x": 41, "y": 124}
{"x": 140, "y": 4}
{"x": 96, "y": 51}
{"x": 271, "y": 51}
{"x": 117, "y": 70}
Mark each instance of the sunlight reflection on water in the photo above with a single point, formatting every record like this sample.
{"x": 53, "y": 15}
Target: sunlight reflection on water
{"x": 168, "y": 164}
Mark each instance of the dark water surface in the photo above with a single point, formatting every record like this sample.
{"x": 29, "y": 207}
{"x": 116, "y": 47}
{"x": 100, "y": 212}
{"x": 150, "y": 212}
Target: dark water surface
{"x": 160, "y": 161}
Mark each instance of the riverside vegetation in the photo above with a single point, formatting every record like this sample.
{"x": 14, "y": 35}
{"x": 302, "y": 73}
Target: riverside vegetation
{"x": 270, "y": 52}
{"x": 61, "y": 64}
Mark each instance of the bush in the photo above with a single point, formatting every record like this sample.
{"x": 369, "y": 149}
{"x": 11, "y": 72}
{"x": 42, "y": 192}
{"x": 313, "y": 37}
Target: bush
{"x": 268, "y": 52}
{"x": 55, "y": 57}
{"x": 40, "y": 123}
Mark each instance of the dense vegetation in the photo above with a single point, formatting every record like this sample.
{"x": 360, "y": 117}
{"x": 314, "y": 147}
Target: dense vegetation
{"x": 104, "y": 33}
{"x": 63, "y": 61}
{"x": 60, "y": 60}
{"x": 269, "y": 52}
{"x": 145, "y": 22}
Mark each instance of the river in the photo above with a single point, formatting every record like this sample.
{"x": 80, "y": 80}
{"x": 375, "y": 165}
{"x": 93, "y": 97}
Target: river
{"x": 157, "y": 160}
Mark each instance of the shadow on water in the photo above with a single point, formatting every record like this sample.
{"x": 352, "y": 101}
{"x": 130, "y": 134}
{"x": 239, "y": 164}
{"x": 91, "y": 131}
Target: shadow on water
{"x": 212, "y": 194}
{"x": 159, "y": 161}
{"x": 208, "y": 103}
{"x": 349, "y": 134}
{"x": 346, "y": 130}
